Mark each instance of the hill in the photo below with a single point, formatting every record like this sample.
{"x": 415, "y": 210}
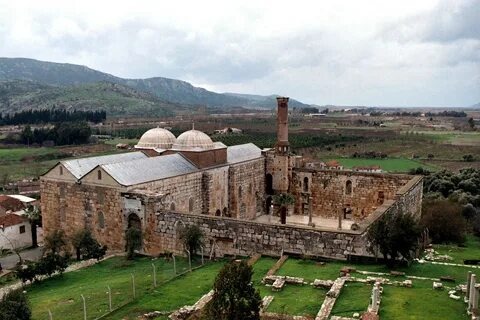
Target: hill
{"x": 116, "y": 99}
{"x": 175, "y": 91}
{"x": 476, "y": 105}
{"x": 258, "y": 101}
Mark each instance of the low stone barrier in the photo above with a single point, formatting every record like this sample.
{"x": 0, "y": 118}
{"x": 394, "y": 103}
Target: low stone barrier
{"x": 330, "y": 299}
{"x": 186, "y": 311}
{"x": 277, "y": 265}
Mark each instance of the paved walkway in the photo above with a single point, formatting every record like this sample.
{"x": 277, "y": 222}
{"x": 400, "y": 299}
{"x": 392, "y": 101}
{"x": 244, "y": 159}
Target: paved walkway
{"x": 9, "y": 261}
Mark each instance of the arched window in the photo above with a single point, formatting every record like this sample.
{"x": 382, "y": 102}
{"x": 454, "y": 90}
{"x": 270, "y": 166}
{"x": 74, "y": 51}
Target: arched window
{"x": 250, "y": 189}
{"x": 305, "y": 184}
{"x": 240, "y": 192}
{"x": 61, "y": 170}
{"x": 225, "y": 212}
{"x": 99, "y": 175}
{"x": 348, "y": 187}
{"x": 172, "y": 206}
{"x": 381, "y": 197}
{"x": 191, "y": 202}
{"x": 218, "y": 213}
{"x": 101, "y": 220}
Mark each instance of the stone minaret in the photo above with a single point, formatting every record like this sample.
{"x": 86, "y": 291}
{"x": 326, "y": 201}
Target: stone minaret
{"x": 282, "y": 146}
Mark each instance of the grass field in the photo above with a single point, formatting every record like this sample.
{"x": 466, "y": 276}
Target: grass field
{"x": 185, "y": 290}
{"x": 459, "y": 254}
{"x": 62, "y": 294}
{"x": 354, "y": 297}
{"x": 389, "y": 165}
{"x": 453, "y": 137}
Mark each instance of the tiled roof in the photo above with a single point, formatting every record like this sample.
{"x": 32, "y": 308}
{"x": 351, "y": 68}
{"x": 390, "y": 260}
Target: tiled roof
{"x": 11, "y": 219}
{"x": 9, "y": 203}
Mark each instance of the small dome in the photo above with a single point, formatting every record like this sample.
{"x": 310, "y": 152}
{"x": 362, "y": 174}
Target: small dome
{"x": 156, "y": 138}
{"x": 193, "y": 140}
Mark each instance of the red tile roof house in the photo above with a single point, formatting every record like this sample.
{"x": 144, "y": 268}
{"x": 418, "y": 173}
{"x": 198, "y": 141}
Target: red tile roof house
{"x": 9, "y": 205}
{"x": 14, "y": 231}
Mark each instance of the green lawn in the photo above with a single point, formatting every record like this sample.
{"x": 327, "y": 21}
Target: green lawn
{"x": 295, "y": 300}
{"x": 17, "y": 154}
{"x": 185, "y": 290}
{"x": 61, "y": 294}
{"x": 354, "y": 297}
{"x": 419, "y": 303}
{"x": 116, "y": 141}
{"x": 389, "y": 165}
{"x": 470, "y": 251}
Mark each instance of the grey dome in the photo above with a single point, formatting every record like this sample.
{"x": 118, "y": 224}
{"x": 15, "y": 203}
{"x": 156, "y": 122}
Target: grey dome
{"x": 156, "y": 138}
{"x": 193, "y": 140}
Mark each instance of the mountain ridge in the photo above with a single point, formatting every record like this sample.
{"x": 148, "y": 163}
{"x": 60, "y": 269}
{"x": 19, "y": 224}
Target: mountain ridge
{"x": 170, "y": 90}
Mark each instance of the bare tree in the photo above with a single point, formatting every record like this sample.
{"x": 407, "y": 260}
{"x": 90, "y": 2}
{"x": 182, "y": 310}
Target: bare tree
{"x": 14, "y": 247}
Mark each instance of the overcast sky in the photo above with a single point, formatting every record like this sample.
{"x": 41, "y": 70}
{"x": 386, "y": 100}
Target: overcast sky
{"x": 389, "y": 53}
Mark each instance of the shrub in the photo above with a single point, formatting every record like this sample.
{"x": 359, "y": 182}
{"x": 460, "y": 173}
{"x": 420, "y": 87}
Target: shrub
{"x": 444, "y": 220}
{"x": 55, "y": 242}
{"x": 192, "y": 238}
{"x": 394, "y": 236}
{"x": 14, "y": 306}
{"x": 86, "y": 246}
{"x": 234, "y": 296}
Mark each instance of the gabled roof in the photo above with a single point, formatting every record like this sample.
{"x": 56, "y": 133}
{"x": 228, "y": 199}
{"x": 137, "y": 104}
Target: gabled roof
{"x": 11, "y": 219}
{"x": 243, "y": 152}
{"x": 150, "y": 169}
{"x": 80, "y": 167}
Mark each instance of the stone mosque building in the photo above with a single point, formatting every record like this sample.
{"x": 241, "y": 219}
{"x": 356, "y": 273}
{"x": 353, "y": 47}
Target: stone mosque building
{"x": 170, "y": 182}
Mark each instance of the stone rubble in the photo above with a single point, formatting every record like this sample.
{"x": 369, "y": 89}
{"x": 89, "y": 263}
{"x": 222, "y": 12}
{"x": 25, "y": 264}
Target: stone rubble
{"x": 327, "y": 284}
{"x": 186, "y": 311}
{"x": 278, "y": 284}
{"x": 437, "y": 285}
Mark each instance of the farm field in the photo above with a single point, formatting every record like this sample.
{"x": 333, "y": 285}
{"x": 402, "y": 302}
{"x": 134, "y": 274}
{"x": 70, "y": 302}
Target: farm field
{"x": 30, "y": 162}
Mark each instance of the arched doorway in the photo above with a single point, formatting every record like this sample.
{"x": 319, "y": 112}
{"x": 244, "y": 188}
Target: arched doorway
{"x": 218, "y": 213}
{"x": 283, "y": 215}
{"x": 269, "y": 184}
{"x": 132, "y": 236}
{"x": 268, "y": 205}
{"x": 134, "y": 221}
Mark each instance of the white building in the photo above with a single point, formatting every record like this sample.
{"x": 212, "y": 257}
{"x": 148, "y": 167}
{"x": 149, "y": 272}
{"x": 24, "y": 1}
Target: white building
{"x": 15, "y": 231}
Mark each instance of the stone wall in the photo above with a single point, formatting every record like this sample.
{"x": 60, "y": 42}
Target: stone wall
{"x": 246, "y": 185}
{"x": 233, "y": 236}
{"x": 71, "y": 207}
{"x": 328, "y": 192}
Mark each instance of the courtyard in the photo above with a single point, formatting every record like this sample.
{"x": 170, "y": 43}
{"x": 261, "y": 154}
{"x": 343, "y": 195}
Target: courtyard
{"x": 303, "y": 220}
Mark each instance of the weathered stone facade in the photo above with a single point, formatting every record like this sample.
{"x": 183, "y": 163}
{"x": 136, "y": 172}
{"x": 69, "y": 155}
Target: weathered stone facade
{"x": 328, "y": 193}
{"x": 229, "y": 236}
{"x": 227, "y": 200}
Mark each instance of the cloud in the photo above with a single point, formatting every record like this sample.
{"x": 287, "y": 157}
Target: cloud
{"x": 375, "y": 52}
